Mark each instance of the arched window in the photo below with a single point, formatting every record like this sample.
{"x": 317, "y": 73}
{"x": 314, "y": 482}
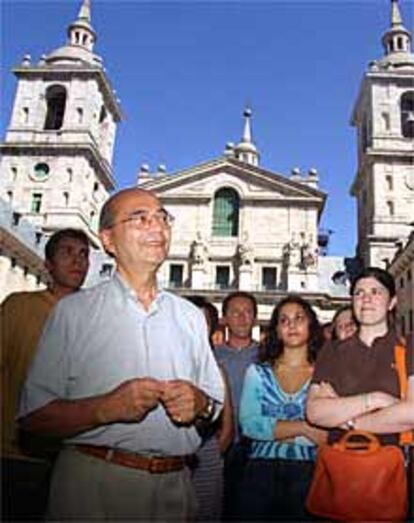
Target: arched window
{"x": 407, "y": 114}
{"x": 226, "y": 213}
{"x": 56, "y": 101}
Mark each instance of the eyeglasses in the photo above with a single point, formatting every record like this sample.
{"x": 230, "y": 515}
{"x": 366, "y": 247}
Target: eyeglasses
{"x": 143, "y": 219}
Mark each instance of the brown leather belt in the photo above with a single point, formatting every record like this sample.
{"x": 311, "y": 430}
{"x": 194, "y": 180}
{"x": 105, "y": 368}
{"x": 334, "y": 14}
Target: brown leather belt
{"x": 153, "y": 464}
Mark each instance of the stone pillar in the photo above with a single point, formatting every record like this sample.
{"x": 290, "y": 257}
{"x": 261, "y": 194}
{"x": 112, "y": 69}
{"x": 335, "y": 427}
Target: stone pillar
{"x": 245, "y": 278}
{"x": 198, "y": 277}
{"x": 5, "y": 268}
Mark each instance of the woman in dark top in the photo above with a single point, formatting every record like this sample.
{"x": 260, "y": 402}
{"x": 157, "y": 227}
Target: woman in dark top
{"x": 355, "y": 383}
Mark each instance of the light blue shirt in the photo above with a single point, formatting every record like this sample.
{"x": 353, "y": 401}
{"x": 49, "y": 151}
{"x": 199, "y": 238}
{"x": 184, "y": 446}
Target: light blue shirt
{"x": 100, "y": 337}
{"x": 263, "y": 404}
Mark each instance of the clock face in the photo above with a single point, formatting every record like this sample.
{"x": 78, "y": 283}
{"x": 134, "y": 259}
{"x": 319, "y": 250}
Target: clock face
{"x": 409, "y": 179}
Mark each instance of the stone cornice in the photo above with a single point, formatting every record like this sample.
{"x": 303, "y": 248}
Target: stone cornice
{"x": 58, "y": 149}
{"x": 28, "y": 257}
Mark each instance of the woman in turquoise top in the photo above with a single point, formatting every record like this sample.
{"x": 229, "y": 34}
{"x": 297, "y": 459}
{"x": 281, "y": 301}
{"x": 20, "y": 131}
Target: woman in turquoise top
{"x": 272, "y": 415}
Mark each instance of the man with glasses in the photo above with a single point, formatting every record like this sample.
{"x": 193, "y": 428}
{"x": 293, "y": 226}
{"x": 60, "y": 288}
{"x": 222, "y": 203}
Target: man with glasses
{"x": 125, "y": 373}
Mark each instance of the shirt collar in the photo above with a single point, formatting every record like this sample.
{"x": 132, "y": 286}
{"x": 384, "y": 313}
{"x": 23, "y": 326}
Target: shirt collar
{"x": 128, "y": 293}
{"x": 388, "y": 339}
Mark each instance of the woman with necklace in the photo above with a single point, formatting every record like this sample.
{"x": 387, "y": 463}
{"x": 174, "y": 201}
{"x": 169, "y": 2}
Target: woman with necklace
{"x": 272, "y": 415}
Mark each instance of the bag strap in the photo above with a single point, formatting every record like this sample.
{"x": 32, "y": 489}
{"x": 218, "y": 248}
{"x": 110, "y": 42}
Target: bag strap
{"x": 406, "y": 438}
{"x": 364, "y": 440}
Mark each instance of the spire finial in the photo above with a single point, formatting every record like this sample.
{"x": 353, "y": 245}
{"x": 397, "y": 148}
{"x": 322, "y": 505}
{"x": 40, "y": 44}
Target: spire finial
{"x": 247, "y": 132}
{"x": 396, "y": 19}
{"x": 85, "y": 11}
{"x": 246, "y": 150}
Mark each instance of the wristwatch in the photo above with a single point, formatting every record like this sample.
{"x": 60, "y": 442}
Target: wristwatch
{"x": 208, "y": 411}
{"x": 350, "y": 424}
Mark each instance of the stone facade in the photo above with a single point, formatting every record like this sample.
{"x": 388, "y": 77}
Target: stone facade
{"x": 277, "y": 227}
{"x": 384, "y": 118}
{"x": 21, "y": 253}
{"x": 268, "y": 243}
{"x": 56, "y": 159}
{"x": 56, "y": 171}
{"x": 402, "y": 268}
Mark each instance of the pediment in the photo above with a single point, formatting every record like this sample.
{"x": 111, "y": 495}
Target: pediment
{"x": 252, "y": 183}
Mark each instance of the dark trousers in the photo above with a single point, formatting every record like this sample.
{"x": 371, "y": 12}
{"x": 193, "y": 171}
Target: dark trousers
{"x": 25, "y": 489}
{"x": 234, "y": 464}
{"x": 410, "y": 480}
{"x": 274, "y": 489}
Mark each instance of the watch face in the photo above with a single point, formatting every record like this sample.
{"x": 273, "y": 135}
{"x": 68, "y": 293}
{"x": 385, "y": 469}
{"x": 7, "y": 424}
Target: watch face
{"x": 208, "y": 410}
{"x": 409, "y": 179}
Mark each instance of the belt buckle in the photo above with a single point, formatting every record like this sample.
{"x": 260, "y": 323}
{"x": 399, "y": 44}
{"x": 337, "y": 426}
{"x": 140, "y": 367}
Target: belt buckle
{"x": 109, "y": 454}
{"x": 153, "y": 466}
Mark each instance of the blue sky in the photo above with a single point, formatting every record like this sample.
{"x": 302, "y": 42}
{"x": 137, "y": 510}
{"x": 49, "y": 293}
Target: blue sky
{"x": 184, "y": 72}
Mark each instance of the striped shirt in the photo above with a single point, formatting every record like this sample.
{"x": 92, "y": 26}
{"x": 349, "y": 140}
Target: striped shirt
{"x": 263, "y": 404}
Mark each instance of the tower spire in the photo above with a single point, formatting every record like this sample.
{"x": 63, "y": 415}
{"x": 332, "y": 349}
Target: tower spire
{"x": 80, "y": 32}
{"x": 396, "y": 19}
{"x": 397, "y": 40}
{"x": 246, "y": 150}
{"x": 80, "y": 42}
{"x": 85, "y": 11}
{"x": 247, "y": 132}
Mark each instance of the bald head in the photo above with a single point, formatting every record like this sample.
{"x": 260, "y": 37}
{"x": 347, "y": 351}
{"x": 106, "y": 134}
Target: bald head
{"x": 110, "y": 207}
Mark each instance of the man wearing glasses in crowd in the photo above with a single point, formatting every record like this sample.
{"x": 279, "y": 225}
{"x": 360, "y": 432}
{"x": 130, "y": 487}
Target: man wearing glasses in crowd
{"x": 124, "y": 373}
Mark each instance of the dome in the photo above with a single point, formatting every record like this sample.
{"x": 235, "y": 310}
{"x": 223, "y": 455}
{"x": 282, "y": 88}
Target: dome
{"x": 246, "y": 147}
{"x": 70, "y": 54}
{"x": 397, "y": 60}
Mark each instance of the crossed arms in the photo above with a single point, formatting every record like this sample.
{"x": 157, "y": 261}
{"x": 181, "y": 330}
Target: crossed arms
{"x": 377, "y": 411}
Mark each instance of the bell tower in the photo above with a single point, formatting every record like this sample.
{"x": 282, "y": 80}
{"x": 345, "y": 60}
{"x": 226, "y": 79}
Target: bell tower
{"x": 56, "y": 166}
{"x": 384, "y": 118}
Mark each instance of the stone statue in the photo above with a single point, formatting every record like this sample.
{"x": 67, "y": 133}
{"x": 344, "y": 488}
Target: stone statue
{"x": 199, "y": 250}
{"x": 308, "y": 253}
{"x": 293, "y": 251}
{"x": 245, "y": 251}
{"x": 299, "y": 252}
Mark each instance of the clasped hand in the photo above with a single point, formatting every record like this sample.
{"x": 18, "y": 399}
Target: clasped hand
{"x": 133, "y": 399}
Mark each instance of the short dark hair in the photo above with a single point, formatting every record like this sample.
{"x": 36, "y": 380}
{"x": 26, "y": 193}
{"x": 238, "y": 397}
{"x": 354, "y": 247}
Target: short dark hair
{"x": 106, "y": 216}
{"x": 381, "y": 275}
{"x": 272, "y": 346}
{"x": 202, "y": 303}
{"x": 239, "y": 294}
{"x": 52, "y": 243}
